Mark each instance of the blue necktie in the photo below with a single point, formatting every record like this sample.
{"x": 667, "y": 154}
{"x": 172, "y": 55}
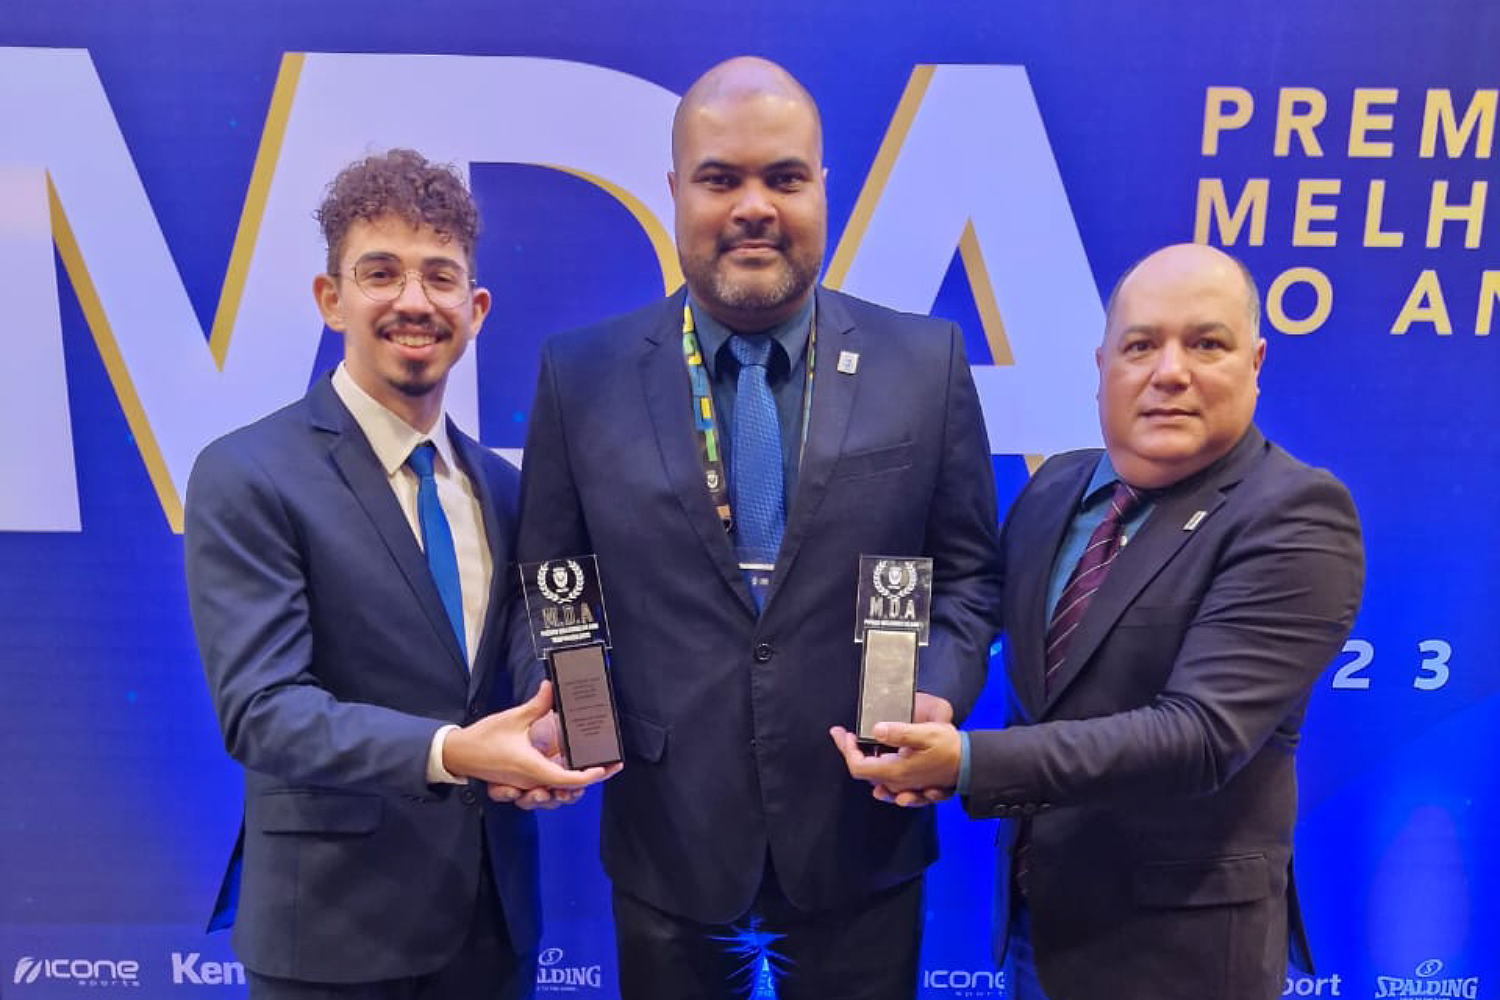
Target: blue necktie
{"x": 755, "y": 464}
{"x": 437, "y": 540}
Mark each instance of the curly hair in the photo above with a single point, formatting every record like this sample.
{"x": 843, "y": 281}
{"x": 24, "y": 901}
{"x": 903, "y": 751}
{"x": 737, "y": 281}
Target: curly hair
{"x": 400, "y": 182}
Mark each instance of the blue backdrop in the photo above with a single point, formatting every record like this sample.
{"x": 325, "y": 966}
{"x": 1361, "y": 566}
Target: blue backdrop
{"x": 157, "y": 165}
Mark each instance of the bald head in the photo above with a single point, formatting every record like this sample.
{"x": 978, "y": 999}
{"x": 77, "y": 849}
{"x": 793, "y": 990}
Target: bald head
{"x": 1193, "y": 255}
{"x": 737, "y": 81}
{"x": 747, "y": 186}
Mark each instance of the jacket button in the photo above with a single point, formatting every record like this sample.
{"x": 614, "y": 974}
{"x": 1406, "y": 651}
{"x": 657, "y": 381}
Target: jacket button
{"x": 467, "y": 797}
{"x": 763, "y": 652}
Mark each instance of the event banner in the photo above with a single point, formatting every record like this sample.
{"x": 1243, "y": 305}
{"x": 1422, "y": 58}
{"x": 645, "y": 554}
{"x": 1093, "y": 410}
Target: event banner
{"x": 999, "y": 164}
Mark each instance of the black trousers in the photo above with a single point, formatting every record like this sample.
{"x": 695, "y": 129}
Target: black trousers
{"x": 865, "y": 951}
{"x": 484, "y": 968}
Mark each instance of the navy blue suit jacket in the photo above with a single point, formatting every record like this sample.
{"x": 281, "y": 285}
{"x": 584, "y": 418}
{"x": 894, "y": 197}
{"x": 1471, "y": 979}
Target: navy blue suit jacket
{"x": 331, "y": 664}
{"x": 725, "y": 715}
{"x": 1158, "y": 767}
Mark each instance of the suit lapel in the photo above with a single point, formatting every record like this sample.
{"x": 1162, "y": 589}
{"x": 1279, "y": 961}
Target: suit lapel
{"x": 669, "y": 399}
{"x": 356, "y": 462}
{"x": 497, "y": 537}
{"x": 1032, "y": 575}
{"x": 1175, "y": 521}
{"x": 833, "y": 395}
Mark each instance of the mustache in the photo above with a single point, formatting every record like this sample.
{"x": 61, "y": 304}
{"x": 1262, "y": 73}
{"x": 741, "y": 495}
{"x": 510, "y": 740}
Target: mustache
{"x": 414, "y": 324}
{"x": 774, "y": 240}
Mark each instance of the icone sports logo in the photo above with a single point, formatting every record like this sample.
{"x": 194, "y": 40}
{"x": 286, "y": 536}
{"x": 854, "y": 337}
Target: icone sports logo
{"x": 965, "y": 982}
{"x": 81, "y": 971}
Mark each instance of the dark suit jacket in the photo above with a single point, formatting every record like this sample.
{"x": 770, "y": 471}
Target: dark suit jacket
{"x": 1159, "y": 774}
{"x": 331, "y": 663}
{"x": 725, "y": 715}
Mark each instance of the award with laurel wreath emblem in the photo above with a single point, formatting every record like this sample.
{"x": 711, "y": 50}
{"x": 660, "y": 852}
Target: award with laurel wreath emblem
{"x": 891, "y": 617}
{"x": 565, "y": 608}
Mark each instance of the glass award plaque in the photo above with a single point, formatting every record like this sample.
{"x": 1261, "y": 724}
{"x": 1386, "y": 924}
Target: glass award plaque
{"x": 892, "y": 613}
{"x": 565, "y": 609}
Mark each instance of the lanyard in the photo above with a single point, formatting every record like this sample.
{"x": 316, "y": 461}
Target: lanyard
{"x": 703, "y": 413}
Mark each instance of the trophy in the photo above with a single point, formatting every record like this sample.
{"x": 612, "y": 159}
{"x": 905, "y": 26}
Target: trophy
{"x": 891, "y": 616}
{"x": 565, "y": 608}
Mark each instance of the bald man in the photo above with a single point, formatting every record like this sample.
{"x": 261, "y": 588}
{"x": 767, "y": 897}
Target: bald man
{"x": 1157, "y": 689}
{"x": 729, "y": 452}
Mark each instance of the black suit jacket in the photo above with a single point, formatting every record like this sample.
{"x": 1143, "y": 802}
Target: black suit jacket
{"x": 725, "y": 714}
{"x": 1158, "y": 775}
{"x": 331, "y": 663}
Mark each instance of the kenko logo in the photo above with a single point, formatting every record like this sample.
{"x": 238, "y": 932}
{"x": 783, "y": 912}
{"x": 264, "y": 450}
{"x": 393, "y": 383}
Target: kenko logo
{"x": 966, "y": 982}
{"x": 81, "y": 971}
{"x": 191, "y": 970}
{"x": 554, "y": 977}
{"x": 1427, "y": 985}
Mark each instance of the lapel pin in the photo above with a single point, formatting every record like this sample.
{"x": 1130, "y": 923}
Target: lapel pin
{"x": 848, "y": 362}
{"x": 1195, "y": 520}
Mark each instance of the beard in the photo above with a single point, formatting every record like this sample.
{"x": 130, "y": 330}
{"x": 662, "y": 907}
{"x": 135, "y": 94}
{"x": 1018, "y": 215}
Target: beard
{"x": 419, "y": 378}
{"x": 746, "y": 290}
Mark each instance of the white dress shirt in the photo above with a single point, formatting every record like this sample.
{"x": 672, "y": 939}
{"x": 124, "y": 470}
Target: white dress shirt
{"x": 393, "y": 441}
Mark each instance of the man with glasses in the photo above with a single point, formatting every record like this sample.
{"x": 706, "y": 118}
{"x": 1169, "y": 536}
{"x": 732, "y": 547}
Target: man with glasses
{"x": 347, "y": 566}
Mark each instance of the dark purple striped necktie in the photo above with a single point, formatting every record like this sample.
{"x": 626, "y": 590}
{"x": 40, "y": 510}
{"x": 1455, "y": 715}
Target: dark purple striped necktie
{"x": 1103, "y": 546}
{"x": 1087, "y": 575}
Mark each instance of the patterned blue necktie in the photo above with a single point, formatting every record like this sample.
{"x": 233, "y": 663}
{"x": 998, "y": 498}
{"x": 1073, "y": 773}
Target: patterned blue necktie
{"x": 437, "y": 540}
{"x": 755, "y": 465}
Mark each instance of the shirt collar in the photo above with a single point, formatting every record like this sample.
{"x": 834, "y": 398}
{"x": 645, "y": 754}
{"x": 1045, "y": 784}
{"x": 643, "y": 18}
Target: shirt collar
{"x": 1104, "y": 476}
{"x": 791, "y": 335}
{"x": 391, "y": 438}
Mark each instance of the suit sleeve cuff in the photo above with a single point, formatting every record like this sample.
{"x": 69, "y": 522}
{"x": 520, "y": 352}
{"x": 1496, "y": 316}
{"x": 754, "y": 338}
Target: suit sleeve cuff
{"x": 437, "y": 774}
{"x": 964, "y": 760}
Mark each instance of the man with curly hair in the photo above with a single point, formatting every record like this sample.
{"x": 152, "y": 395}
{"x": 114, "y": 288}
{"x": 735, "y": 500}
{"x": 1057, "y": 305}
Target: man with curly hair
{"x": 346, "y": 565}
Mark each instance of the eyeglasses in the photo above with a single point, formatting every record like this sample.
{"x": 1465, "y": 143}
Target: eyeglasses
{"x": 383, "y": 279}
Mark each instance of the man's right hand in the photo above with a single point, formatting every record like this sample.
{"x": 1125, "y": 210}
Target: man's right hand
{"x": 498, "y": 750}
{"x": 922, "y": 770}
